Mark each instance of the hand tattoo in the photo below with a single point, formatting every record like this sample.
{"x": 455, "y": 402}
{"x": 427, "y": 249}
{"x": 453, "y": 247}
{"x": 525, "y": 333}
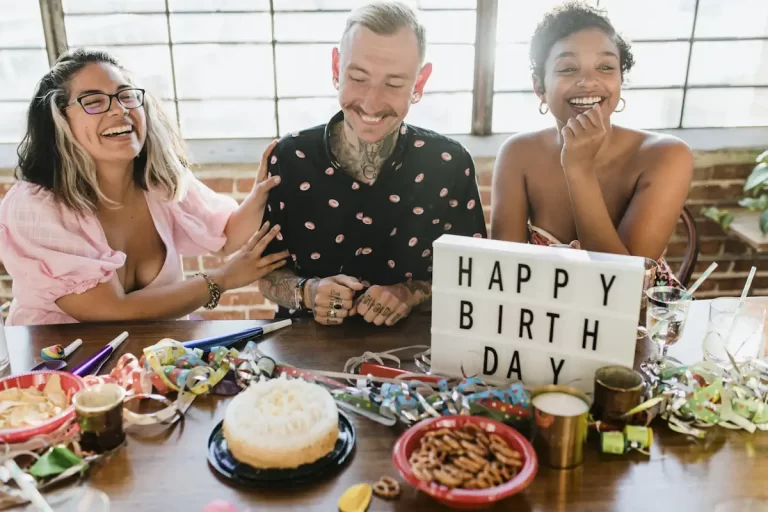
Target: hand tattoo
{"x": 386, "y": 312}
{"x": 377, "y": 308}
{"x": 279, "y": 286}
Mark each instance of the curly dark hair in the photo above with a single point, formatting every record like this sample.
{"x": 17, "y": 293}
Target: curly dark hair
{"x": 568, "y": 19}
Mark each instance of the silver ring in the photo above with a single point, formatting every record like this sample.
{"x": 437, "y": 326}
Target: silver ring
{"x": 332, "y": 313}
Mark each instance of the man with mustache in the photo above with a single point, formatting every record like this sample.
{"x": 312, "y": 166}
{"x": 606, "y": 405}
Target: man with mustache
{"x": 363, "y": 197}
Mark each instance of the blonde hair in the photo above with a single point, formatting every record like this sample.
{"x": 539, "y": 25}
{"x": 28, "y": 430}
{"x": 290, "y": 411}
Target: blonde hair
{"x": 51, "y": 157}
{"x": 387, "y": 18}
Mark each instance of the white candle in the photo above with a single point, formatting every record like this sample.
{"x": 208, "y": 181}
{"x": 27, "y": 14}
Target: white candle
{"x": 560, "y": 404}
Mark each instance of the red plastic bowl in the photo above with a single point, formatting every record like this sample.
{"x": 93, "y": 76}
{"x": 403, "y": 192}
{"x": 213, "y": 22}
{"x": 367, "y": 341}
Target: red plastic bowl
{"x": 466, "y": 499}
{"x": 71, "y": 384}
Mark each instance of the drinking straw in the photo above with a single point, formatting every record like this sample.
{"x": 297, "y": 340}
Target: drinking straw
{"x": 739, "y": 308}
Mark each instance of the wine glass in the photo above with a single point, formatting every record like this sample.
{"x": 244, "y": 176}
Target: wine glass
{"x": 665, "y": 316}
{"x": 649, "y": 281}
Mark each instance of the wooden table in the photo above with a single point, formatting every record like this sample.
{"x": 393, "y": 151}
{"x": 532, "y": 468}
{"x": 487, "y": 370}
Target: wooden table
{"x": 170, "y": 472}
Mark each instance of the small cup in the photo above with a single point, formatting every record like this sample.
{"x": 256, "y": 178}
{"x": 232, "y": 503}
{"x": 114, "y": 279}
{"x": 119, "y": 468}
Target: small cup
{"x": 99, "y": 411}
{"x": 560, "y": 425}
{"x": 618, "y": 389}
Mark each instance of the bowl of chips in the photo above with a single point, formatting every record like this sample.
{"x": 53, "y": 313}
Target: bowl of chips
{"x": 36, "y": 403}
{"x": 465, "y": 462}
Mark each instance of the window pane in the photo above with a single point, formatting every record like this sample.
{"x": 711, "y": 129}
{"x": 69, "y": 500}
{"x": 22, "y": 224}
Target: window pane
{"x": 106, "y": 6}
{"x": 218, "y": 5}
{"x": 20, "y": 70}
{"x": 315, "y": 27}
{"x": 302, "y": 113}
{"x": 151, "y": 65}
{"x": 223, "y": 119}
{"x": 729, "y": 63}
{"x": 21, "y": 25}
{"x": 14, "y": 121}
{"x": 452, "y": 67}
{"x": 221, "y": 28}
{"x": 518, "y": 112}
{"x": 347, "y": 5}
{"x": 116, "y": 29}
{"x": 517, "y": 20}
{"x": 444, "y": 113}
{"x": 658, "y": 64}
{"x": 513, "y": 69}
{"x": 651, "y": 19}
{"x": 223, "y": 71}
{"x": 726, "y": 107}
{"x": 169, "y": 107}
{"x": 652, "y": 109}
{"x": 734, "y": 18}
{"x": 449, "y": 26}
{"x": 310, "y": 78}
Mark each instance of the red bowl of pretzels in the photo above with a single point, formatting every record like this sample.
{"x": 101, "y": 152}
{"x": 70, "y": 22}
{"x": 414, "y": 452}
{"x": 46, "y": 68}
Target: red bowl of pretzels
{"x": 465, "y": 462}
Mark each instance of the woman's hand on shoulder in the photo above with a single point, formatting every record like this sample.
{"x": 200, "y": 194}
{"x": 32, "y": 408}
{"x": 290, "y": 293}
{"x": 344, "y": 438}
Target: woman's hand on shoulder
{"x": 264, "y": 182}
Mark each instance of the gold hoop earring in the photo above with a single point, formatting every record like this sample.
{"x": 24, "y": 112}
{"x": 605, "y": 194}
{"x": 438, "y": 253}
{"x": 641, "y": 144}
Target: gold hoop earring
{"x": 623, "y": 106}
{"x": 543, "y": 108}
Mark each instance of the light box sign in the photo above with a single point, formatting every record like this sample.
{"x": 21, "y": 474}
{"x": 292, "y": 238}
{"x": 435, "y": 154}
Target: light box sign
{"x": 506, "y": 311}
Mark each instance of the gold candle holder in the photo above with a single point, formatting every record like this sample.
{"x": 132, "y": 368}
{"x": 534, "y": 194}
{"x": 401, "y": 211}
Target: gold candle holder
{"x": 560, "y": 416}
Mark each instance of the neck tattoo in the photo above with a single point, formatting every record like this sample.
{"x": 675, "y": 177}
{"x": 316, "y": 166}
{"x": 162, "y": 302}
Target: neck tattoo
{"x": 360, "y": 159}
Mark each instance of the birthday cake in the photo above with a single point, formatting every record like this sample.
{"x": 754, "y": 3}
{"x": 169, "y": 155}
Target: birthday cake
{"x": 281, "y": 423}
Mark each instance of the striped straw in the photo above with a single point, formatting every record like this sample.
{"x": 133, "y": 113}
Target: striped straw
{"x": 739, "y": 309}
{"x": 688, "y": 294}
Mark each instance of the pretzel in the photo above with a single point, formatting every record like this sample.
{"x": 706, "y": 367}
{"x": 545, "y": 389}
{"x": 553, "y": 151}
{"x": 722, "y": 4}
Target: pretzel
{"x": 466, "y": 457}
{"x": 387, "y": 488}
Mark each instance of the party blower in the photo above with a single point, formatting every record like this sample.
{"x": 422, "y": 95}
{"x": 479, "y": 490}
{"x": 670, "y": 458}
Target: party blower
{"x": 227, "y": 340}
{"x": 94, "y": 364}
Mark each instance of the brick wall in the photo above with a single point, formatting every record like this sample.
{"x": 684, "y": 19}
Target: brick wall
{"x": 718, "y": 180}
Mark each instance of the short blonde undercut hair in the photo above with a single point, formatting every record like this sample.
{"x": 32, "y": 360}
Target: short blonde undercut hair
{"x": 387, "y": 18}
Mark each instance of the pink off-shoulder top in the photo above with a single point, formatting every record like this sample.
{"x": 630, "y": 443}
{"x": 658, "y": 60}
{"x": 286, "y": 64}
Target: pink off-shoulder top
{"x": 51, "y": 251}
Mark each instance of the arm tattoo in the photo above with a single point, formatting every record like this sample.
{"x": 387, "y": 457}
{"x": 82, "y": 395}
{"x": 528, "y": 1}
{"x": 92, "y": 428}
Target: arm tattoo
{"x": 360, "y": 159}
{"x": 422, "y": 293}
{"x": 279, "y": 286}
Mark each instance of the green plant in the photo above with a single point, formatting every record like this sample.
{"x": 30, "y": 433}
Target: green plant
{"x": 755, "y": 200}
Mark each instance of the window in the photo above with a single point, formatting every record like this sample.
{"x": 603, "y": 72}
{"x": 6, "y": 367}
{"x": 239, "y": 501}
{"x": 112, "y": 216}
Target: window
{"x": 243, "y": 69}
{"x": 695, "y": 68}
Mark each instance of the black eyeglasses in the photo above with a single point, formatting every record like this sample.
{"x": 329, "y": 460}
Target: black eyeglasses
{"x": 99, "y": 102}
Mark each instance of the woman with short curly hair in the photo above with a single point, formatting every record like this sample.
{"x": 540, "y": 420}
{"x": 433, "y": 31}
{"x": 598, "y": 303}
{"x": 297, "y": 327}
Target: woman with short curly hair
{"x": 586, "y": 181}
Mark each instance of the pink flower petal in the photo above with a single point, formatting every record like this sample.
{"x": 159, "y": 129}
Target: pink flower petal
{"x": 329, "y": 171}
{"x": 419, "y": 178}
{"x": 426, "y": 253}
{"x": 471, "y": 204}
{"x": 339, "y": 239}
{"x": 398, "y": 166}
{"x": 394, "y": 232}
{"x": 477, "y": 235}
{"x": 394, "y": 198}
{"x": 367, "y": 220}
{"x": 367, "y": 250}
{"x": 299, "y": 154}
{"x": 293, "y": 257}
{"x": 408, "y": 275}
{"x": 454, "y": 203}
{"x": 418, "y": 210}
{"x": 315, "y": 256}
{"x": 446, "y": 156}
{"x": 309, "y": 225}
{"x": 273, "y": 160}
{"x": 466, "y": 171}
{"x": 444, "y": 192}
{"x": 359, "y": 216}
{"x": 295, "y": 134}
{"x": 447, "y": 226}
{"x": 333, "y": 203}
{"x": 359, "y": 251}
{"x": 282, "y": 205}
{"x": 355, "y": 186}
{"x": 413, "y": 241}
{"x": 391, "y": 264}
{"x": 402, "y": 130}
{"x": 435, "y": 221}
{"x": 304, "y": 186}
{"x": 418, "y": 143}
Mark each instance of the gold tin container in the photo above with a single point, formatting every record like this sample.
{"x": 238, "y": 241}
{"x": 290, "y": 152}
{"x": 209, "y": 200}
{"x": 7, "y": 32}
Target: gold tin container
{"x": 560, "y": 425}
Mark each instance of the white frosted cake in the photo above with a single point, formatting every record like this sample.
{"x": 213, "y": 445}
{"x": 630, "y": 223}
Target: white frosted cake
{"x": 281, "y": 423}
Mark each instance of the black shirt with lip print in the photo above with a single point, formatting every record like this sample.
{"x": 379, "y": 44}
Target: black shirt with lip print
{"x": 381, "y": 233}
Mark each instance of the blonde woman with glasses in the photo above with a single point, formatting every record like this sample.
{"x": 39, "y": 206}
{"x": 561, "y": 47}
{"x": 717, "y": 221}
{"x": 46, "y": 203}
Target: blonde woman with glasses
{"x": 105, "y": 206}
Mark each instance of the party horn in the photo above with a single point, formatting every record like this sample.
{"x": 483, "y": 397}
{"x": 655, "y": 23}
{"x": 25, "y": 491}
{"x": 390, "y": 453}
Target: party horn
{"x": 94, "y": 364}
{"x": 55, "y": 352}
{"x": 228, "y": 340}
